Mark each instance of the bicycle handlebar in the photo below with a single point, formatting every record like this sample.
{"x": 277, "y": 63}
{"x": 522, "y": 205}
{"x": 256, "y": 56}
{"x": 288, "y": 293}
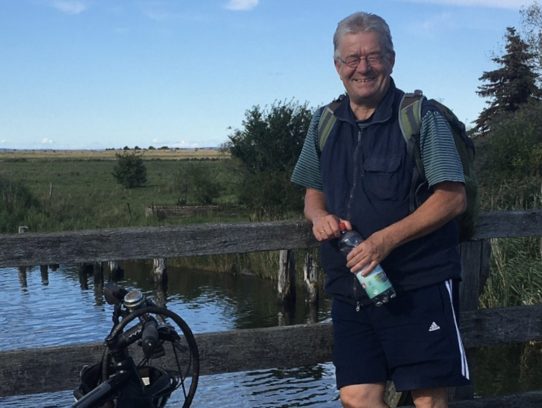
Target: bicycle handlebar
{"x": 117, "y": 370}
{"x": 114, "y": 294}
{"x": 150, "y": 339}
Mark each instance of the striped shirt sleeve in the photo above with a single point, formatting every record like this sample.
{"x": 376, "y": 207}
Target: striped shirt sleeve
{"x": 438, "y": 152}
{"x": 307, "y": 169}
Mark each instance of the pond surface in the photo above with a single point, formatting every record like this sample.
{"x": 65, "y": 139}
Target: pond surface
{"x": 63, "y": 309}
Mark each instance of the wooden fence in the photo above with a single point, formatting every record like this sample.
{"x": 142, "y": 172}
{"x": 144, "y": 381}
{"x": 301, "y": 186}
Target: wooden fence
{"x": 56, "y": 368}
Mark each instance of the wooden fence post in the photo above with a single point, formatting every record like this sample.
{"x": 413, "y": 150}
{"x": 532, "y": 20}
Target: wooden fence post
{"x": 159, "y": 271}
{"x": 116, "y": 272}
{"x": 475, "y": 257}
{"x": 98, "y": 274}
{"x": 84, "y": 270}
{"x": 286, "y": 278}
{"x": 310, "y": 276}
{"x": 22, "y": 269}
{"x": 44, "y": 271}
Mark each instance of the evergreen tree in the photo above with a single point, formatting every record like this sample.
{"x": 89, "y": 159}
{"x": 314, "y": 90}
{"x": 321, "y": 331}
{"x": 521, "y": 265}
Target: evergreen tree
{"x": 510, "y": 85}
{"x": 532, "y": 32}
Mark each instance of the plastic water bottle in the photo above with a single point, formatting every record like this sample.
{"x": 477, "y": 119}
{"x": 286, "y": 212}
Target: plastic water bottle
{"x": 376, "y": 284}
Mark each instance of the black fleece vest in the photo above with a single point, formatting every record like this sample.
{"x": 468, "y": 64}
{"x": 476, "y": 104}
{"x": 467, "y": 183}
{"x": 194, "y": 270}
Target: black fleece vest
{"x": 367, "y": 174}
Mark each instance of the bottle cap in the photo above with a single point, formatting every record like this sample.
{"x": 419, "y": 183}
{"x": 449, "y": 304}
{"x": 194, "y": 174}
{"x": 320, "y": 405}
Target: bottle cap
{"x": 342, "y": 226}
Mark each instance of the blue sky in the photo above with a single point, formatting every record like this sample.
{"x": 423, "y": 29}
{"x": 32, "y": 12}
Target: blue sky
{"x": 91, "y": 74}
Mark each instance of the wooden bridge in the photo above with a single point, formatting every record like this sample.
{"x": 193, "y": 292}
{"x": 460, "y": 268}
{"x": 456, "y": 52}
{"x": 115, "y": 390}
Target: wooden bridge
{"x": 49, "y": 369}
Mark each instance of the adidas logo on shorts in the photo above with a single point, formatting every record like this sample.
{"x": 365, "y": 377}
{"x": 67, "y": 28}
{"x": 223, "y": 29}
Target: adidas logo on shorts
{"x": 434, "y": 327}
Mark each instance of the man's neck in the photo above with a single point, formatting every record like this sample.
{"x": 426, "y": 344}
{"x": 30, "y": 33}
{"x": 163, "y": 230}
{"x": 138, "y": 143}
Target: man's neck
{"x": 362, "y": 112}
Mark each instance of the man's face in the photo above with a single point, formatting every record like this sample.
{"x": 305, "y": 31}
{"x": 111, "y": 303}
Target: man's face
{"x": 367, "y": 81}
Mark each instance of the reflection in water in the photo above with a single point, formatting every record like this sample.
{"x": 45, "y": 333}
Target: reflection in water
{"x": 71, "y": 309}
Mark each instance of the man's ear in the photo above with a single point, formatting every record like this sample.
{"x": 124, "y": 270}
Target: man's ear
{"x": 337, "y": 65}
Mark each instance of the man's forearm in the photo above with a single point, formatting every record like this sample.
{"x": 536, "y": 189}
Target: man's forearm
{"x": 447, "y": 202}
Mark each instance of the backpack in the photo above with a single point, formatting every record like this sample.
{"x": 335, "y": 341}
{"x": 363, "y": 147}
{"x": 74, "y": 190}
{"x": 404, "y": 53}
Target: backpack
{"x": 410, "y": 120}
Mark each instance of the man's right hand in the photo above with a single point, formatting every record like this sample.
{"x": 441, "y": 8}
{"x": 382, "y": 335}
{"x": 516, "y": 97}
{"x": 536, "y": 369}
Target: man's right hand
{"x": 324, "y": 224}
{"x": 326, "y": 227}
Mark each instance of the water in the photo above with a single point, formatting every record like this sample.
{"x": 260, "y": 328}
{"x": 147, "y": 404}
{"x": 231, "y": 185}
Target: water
{"x": 65, "y": 310}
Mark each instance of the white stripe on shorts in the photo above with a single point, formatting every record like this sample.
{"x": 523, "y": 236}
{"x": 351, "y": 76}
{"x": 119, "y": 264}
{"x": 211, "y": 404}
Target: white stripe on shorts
{"x": 464, "y": 364}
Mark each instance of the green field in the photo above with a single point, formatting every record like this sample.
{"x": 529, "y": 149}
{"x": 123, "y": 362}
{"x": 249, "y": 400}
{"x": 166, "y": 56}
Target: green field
{"x": 78, "y": 191}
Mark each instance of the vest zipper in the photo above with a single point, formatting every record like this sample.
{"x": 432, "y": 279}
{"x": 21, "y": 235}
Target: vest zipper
{"x": 355, "y": 176}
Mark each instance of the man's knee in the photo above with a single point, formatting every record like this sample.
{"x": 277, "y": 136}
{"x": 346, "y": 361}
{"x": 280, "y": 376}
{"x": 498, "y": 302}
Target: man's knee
{"x": 363, "y": 396}
{"x": 430, "y": 398}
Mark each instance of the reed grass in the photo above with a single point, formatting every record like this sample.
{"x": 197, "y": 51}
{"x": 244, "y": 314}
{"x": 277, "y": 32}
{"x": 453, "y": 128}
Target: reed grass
{"x": 516, "y": 263}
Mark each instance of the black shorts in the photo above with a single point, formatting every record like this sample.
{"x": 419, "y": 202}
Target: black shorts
{"x": 413, "y": 340}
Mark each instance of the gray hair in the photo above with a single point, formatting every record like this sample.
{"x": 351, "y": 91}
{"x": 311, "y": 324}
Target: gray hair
{"x": 364, "y": 22}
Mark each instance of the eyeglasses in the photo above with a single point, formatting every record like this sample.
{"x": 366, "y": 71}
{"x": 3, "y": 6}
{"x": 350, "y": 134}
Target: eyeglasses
{"x": 374, "y": 59}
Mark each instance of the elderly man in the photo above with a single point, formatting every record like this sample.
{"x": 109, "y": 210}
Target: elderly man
{"x": 362, "y": 177}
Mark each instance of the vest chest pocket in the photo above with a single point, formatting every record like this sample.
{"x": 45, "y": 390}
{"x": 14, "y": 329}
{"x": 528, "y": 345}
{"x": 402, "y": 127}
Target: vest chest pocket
{"x": 382, "y": 177}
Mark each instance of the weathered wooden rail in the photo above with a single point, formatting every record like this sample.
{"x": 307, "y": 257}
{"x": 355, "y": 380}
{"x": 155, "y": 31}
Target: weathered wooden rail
{"x": 56, "y": 368}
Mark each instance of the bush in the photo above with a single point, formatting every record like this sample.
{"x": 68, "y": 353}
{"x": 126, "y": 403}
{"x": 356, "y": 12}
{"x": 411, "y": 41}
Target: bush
{"x": 130, "y": 171}
{"x": 268, "y": 147}
{"x": 198, "y": 184}
{"x": 16, "y": 204}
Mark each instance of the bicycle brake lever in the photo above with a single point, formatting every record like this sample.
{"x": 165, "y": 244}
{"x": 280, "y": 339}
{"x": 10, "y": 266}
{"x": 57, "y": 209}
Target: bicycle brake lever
{"x": 114, "y": 294}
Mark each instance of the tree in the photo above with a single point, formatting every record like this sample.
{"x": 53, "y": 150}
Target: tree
{"x": 130, "y": 171}
{"x": 199, "y": 181}
{"x": 510, "y": 85}
{"x": 532, "y": 32}
{"x": 268, "y": 147}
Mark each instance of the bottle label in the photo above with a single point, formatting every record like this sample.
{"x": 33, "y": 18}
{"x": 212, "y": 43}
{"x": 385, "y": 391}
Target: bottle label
{"x": 375, "y": 283}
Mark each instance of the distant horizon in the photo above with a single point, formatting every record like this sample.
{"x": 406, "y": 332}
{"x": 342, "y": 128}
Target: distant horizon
{"x": 111, "y": 148}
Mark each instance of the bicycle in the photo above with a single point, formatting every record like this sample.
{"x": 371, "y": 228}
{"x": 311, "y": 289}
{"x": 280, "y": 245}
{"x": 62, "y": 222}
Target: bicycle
{"x": 167, "y": 364}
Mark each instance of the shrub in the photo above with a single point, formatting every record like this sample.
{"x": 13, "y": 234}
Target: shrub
{"x": 268, "y": 147}
{"x": 130, "y": 171}
{"x": 16, "y": 203}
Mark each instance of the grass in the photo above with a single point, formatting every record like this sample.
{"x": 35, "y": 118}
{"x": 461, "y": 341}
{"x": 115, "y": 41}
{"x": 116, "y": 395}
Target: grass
{"x": 78, "y": 193}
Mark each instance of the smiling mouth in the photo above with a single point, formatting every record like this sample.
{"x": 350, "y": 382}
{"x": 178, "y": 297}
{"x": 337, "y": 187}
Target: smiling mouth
{"x": 363, "y": 80}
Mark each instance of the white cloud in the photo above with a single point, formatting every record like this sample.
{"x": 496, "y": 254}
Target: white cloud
{"x": 70, "y": 6}
{"x": 183, "y": 144}
{"x": 438, "y": 22}
{"x": 241, "y": 5}
{"x": 46, "y": 141}
{"x": 508, "y": 4}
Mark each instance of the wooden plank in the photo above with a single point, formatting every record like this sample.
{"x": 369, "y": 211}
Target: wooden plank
{"x": 531, "y": 399}
{"x": 56, "y": 368}
{"x": 525, "y": 400}
{"x": 489, "y": 327}
{"x": 151, "y": 242}
{"x": 509, "y": 224}
{"x": 204, "y": 239}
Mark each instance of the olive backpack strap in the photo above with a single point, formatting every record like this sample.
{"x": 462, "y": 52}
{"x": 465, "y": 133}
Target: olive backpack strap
{"x": 327, "y": 121}
{"x": 410, "y": 121}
